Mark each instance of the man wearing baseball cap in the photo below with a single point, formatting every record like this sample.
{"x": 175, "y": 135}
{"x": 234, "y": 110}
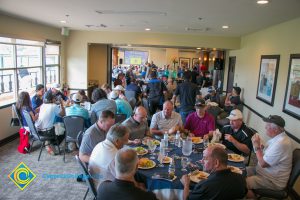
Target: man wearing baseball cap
{"x": 237, "y": 136}
{"x": 77, "y": 110}
{"x": 274, "y": 160}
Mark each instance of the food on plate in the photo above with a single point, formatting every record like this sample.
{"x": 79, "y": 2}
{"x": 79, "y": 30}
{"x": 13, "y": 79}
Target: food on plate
{"x": 146, "y": 163}
{"x": 235, "y": 157}
{"x": 141, "y": 150}
{"x": 145, "y": 140}
{"x": 197, "y": 176}
{"x": 167, "y": 159}
{"x": 196, "y": 140}
{"x": 218, "y": 144}
{"x": 235, "y": 169}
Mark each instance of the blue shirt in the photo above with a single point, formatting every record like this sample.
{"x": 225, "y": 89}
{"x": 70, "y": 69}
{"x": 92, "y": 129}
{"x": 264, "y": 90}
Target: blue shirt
{"x": 77, "y": 110}
{"x": 123, "y": 107}
{"x": 36, "y": 102}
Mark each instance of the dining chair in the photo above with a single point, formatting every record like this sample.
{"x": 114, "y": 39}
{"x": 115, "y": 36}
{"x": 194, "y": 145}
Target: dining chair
{"x": 120, "y": 118}
{"x": 88, "y": 178}
{"x": 290, "y": 190}
{"x": 42, "y": 136}
{"x": 73, "y": 126}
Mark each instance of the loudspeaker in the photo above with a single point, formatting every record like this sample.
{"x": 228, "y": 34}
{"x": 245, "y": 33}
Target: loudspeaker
{"x": 218, "y": 64}
{"x": 121, "y": 61}
{"x": 64, "y": 31}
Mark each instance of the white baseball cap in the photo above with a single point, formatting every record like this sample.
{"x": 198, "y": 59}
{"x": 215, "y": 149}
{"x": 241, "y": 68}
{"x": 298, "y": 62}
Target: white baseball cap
{"x": 113, "y": 95}
{"x": 235, "y": 114}
{"x": 77, "y": 98}
{"x": 119, "y": 87}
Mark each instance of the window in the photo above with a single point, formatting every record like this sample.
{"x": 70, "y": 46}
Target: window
{"x": 22, "y": 66}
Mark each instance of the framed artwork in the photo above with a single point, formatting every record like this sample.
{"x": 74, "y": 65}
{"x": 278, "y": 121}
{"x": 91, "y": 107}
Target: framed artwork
{"x": 184, "y": 62}
{"x": 195, "y": 61}
{"x": 291, "y": 104}
{"x": 266, "y": 86}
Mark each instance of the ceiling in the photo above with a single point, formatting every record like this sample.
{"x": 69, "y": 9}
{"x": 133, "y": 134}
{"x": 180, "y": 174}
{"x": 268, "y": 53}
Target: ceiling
{"x": 202, "y": 17}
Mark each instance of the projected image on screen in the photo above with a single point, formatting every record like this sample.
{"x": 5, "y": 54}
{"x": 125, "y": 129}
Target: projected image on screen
{"x": 136, "y": 57}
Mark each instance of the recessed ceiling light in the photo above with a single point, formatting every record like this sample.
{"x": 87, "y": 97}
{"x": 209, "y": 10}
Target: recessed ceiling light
{"x": 63, "y": 21}
{"x": 147, "y": 29}
{"x": 198, "y": 48}
{"x": 262, "y": 1}
{"x": 225, "y": 27}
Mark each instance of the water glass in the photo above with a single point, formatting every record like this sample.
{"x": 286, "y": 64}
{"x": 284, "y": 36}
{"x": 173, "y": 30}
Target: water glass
{"x": 161, "y": 156}
{"x": 152, "y": 147}
{"x": 187, "y": 147}
{"x": 184, "y": 163}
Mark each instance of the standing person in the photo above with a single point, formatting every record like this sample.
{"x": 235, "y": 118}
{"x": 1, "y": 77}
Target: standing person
{"x": 95, "y": 134}
{"x": 220, "y": 184}
{"x": 155, "y": 91}
{"x": 274, "y": 161}
{"x": 124, "y": 185}
{"x": 37, "y": 99}
{"x": 188, "y": 92}
{"x": 24, "y": 103}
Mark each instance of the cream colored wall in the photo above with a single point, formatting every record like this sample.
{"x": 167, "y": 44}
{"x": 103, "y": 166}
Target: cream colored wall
{"x": 97, "y": 63}
{"x": 158, "y": 56}
{"x": 282, "y": 39}
{"x": 18, "y": 28}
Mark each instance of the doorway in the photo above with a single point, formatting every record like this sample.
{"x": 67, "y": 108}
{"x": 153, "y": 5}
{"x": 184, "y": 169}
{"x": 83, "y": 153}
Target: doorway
{"x": 231, "y": 70}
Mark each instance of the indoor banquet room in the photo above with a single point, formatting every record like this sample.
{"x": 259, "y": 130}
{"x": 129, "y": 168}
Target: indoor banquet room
{"x": 152, "y": 100}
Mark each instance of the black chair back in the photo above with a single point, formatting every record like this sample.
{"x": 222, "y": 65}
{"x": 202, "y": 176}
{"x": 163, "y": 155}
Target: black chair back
{"x": 294, "y": 175}
{"x": 73, "y": 125}
{"x": 120, "y": 118}
{"x": 18, "y": 114}
{"x": 87, "y": 177}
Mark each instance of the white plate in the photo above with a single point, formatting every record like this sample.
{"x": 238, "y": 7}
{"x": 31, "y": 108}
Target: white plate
{"x": 235, "y": 157}
{"x": 194, "y": 176}
{"x": 152, "y": 166}
{"x": 167, "y": 160}
{"x": 145, "y": 151}
{"x": 197, "y": 142}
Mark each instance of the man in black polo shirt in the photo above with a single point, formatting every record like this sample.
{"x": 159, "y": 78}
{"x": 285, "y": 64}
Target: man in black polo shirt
{"x": 237, "y": 136}
{"x": 188, "y": 92}
{"x": 124, "y": 186}
{"x": 220, "y": 184}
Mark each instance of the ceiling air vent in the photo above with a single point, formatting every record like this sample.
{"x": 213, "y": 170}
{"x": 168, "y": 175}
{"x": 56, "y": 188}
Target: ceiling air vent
{"x": 197, "y": 29}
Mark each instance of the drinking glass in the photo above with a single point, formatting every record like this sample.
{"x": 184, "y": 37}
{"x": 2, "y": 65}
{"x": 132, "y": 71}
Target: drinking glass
{"x": 187, "y": 147}
{"x": 184, "y": 163}
{"x": 161, "y": 156}
{"x": 152, "y": 146}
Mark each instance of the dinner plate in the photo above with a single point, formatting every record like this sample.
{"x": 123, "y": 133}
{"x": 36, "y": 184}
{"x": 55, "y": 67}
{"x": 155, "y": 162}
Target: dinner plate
{"x": 235, "y": 169}
{"x": 140, "y": 151}
{"x": 167, "y": 160}
{"x": 197, "y": 140}
{"x": 197, "y": 176}
{"x": 150, "y": 167}
{"x": 144, "y": 141}
{"x": 217, "y": 144}
{"x": 235, "y": 157}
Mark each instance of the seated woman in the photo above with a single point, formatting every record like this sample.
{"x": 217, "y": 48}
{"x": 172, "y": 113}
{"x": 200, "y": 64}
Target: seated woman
{"x": 48, "y": 112}
{"x": 24, "y": 103}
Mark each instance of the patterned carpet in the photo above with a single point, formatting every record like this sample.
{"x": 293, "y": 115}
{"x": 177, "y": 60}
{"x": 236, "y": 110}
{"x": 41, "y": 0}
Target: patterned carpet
{"x": 44, "y": 186}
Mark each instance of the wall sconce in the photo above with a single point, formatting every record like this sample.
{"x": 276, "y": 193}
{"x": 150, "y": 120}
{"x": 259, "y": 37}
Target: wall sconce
{"x": 205, "y": 59}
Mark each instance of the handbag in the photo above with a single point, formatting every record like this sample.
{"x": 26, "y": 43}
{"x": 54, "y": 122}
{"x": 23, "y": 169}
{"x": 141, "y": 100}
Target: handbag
{"x": 14, "y": 120}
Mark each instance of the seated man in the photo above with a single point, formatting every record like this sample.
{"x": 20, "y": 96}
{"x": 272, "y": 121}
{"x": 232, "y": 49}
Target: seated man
{"x": 123, "y": 107}
{"x": 102, "y": 162}
{"x": 55, "y": 89}
{"x": 200, "y": 122}
{"x": 274, "y": 161}
{"x": 124, "y": 186}
{"x": 137, "y": 125}
{"x": 232, "y": 99}
{"x": 95, "y": 134}
{"x": 37, "y": 99}
{"x": 221, "y": 183}
{"x": 166, "y": 120}
{"x": 77, "y": 110}
{"x": 237, "y": 136}
{"x": 99, "y": 96}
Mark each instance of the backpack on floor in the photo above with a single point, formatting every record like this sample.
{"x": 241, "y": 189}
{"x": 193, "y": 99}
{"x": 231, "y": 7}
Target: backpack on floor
{"x": 24, "y": 141}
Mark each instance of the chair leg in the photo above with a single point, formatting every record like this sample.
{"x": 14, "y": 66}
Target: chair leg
{"x": 31, "y": 146}
{"x": 41, "y": 150}
{"x": 87, "y": 191}
{"x": 65, "y": 150}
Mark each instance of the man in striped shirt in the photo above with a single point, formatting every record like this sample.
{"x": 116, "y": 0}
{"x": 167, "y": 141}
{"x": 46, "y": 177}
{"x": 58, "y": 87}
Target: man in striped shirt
{"x": 237, "y": 136}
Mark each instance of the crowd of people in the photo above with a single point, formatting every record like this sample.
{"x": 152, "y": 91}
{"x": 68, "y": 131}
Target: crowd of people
{"x": 114, "y": 167}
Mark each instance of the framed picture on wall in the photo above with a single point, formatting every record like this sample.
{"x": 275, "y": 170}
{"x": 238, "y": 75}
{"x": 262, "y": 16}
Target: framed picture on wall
{"x": 291, "y": 104}
{"x": 266, "y": 86}
{"x": 184, "y": 62}
{"x": 195, "y": 61}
